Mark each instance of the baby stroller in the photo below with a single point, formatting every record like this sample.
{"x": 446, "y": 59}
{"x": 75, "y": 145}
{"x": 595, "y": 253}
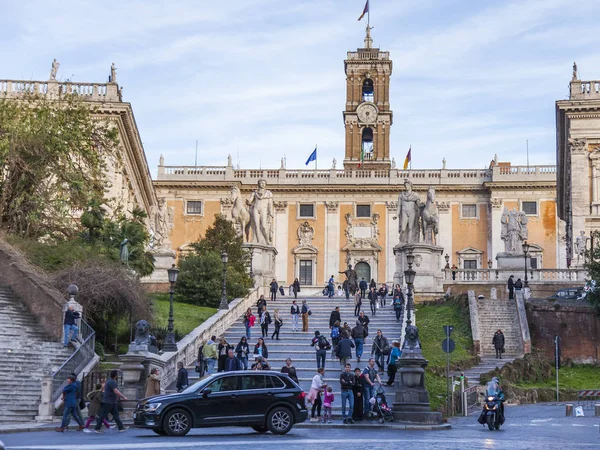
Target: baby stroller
{"x": 380, "y": 405}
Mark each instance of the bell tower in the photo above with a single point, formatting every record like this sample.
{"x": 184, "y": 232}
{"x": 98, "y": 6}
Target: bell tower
{"x": 367, "y": 116}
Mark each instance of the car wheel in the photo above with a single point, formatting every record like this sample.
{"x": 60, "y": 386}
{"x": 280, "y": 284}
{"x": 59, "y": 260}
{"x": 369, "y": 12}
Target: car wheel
{"x": 177, "y": 423}
{"x": 280, "y": 421}
{"x": 260, "y": 428}
{"x": 160, "y": 431}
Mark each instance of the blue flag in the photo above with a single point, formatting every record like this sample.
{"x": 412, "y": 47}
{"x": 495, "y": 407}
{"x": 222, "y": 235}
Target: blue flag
{"x": 312, "y": 157}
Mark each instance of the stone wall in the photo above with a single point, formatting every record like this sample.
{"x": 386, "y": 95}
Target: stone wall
{"x": 574, "y": 321}
{"x": 538, "y": 289}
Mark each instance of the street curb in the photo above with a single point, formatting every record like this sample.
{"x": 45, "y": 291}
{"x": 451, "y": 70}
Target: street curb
{"x": 377, "y": 426}
{"x": 40, "y": 427}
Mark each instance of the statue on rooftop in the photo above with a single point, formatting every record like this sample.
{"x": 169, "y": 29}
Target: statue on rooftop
{"x": 575, "y": 75}
{"x": 113, "y": 73}
{"x": 54, "y": 70}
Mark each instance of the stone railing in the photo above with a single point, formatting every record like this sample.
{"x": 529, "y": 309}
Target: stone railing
{"x": 584, "y": 89}
{"x": 100, "y": 92}
{"x": 187, "y": 348}
{"x": 501, "y": 275}
{"x": 524, "y": 173}
{"x": 368, "y": 55}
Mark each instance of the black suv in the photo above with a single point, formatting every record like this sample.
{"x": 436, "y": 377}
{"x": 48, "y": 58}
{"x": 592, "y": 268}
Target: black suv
{"x": 263, "y": 400}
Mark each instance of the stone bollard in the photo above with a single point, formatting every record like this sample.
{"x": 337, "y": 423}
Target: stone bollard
{"x": 597, "y": 410}
{"x": 569, "y": 410}
{"x": 46, "y": 406}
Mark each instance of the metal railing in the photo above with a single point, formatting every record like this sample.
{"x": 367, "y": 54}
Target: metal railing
{"x": 588, "y": 398}
{"x": 77, "y": 361}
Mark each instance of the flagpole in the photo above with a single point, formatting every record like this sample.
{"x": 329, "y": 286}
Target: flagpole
{"x": 368, "y": 13}
{"x": 316, "y": 157}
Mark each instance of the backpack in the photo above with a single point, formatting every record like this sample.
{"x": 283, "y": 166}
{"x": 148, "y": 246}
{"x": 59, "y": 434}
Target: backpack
{"x": 323, "y": 343}
{"x": 335, "y": 332}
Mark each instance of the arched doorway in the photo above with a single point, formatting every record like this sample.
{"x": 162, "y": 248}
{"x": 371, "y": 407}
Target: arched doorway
{"x": 363, "y": 270}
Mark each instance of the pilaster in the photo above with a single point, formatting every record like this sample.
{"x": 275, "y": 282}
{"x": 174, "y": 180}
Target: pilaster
{"x": 495, "y": 243}
{"x": 332, "y": 238}
{"x": 392, "y": 239}
{"x": 281, "y": 241}
{"x": 445, "y": 227}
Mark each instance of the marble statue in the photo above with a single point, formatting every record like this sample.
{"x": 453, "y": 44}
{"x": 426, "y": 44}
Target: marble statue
{"x": 54, "y": 70}
{"x": 393, "y": 163}
{"x": 514, "y": 230}
{"x": 574, "y": 71}
{"x": 282, "y": 163}
{"x": 580, "y": 245}
{"x": 161, "y": 160}
{"x": 409, "y": 205}
{"x": 429, "y": 218}
{"x": 113, "y": 73}
{"x": 161, "y": 224}
{"x": 443, "y": 163}
{"x": 352, "y": 278}
{"x": 333, "y": 163}
{"x": 261, "y": 214}
{"x": 240, "y": 215}
{"x": 229, "y": 161}
{"x": 124, "y": 252}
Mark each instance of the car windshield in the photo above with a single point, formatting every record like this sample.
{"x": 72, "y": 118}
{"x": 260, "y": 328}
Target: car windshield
{"x": 196, "y": 387}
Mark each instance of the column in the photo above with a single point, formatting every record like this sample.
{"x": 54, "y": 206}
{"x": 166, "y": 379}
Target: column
{"x": 495, "y": 242}
{"x": 281, "y": 242}
{"x": 332, "y": 239}
{"x": 445, "y": 227}
{"x": 392, "y": 238}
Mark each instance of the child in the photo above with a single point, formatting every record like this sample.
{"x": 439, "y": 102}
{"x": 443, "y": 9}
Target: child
{"x": 327, "y": 402}
{"x": 69, "y": 394}
{"x": 95, "y": 398}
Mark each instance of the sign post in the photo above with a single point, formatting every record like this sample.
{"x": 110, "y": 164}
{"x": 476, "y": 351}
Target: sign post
{"x": 557, "y": 360}
{"x": 448, "y": 347}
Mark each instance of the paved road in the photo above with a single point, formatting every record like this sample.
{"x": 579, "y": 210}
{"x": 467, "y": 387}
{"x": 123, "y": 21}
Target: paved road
{"x": 530, "y": 427}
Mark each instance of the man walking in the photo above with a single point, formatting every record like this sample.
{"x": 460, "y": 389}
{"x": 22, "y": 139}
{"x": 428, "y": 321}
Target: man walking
{"x": 69, "y": 325}
{"x": 274, "y": 287}
{"x": 331, "y": 287}
{"x": 321, "y": 345}
{"x": 109, "y": 403}
{"x": 210, "y": 355}
{"x": 364, "y": 321}
{"x": 232, "y": 363}
{"x": 371, "y": 376}
{"x": 295, "y": 312}
{"x": 498, "y": 341}
{"x": 70, "y": 404}
{"x": 511, "y": 287}
{"x": 380, "y": 348}
{"x": 347, "y": 383}
{"x": 363, "y": 287}
{"x": 344, "y": 351}
{"x": 358, "y": 334}
{"x": 373, "y": 300}
{"x": 182, "y": 377}
{"x": 335, "y": 317}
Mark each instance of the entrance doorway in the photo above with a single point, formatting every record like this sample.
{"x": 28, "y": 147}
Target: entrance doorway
{"x": 363, "y": 270}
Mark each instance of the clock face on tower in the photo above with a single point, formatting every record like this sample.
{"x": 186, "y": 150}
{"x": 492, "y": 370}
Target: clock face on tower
{"x": 367, "y": 113}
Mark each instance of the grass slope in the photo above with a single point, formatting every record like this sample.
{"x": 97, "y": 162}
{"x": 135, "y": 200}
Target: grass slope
{"x": 186, "y": 316}
{"x": 577, "y": 377}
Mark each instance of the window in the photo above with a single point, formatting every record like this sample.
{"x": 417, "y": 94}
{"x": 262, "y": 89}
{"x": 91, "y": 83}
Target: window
{"x": 224, "y": 384}
{"x": 367, "y": 143}
{"x": 275, "y": 383}
{"x": 470, "y": 264}
{"x": 469, "y": 211}
{"x": 253, "y": 382}
{"x": 533, "y": 263}
{"x": 368, "y": 94}
{"x": 363, "y": 210}
{"x": 305, "y": 275}
{"x": 307, "y": 210}
{"x": 194, "y": 207}
{"x": 529, "y": 208}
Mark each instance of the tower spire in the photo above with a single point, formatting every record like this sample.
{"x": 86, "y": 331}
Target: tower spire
{"x": 368, "y": 39}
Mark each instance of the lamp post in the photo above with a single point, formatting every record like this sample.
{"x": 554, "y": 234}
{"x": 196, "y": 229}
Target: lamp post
{"x": 72, "y": 290}
{"x": 447, "y": 258}
{"x": 526, "y": 254}
{"x": 409, "y": 277}
{"x": 170, "y": 345}
{"x": 223, "y": 304}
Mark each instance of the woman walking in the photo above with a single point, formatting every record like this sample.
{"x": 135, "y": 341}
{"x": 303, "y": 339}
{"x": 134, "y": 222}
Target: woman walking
{"x": 260, "y": 349}
{"x": 265, "y": 320}
{"x": 392, "y": 369}
{"x": 278, "y": 323}
{"x": 222, "y": 351}
{"x": 296, "y": 287}
{"x": 357, "y": 303}
{"x": 290, "y": 370}
{"x": 241, "y": 351}
{"x": 153, "y": 383}
{"x": 305, "y": 311}
{"x": 249, "y": 320}
{"x": 295, "y": 312}
{"x": 314, "y": 394}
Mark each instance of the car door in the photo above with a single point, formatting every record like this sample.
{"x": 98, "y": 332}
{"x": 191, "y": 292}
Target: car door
{"x": 254, "y": 397}
{"x": 218, "y": 405}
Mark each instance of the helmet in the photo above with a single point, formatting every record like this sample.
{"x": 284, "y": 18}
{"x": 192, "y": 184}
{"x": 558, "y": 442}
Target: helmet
{"x": 496, "y": 380}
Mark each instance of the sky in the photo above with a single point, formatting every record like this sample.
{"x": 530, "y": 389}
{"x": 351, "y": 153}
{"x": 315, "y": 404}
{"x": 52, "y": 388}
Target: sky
{"x": 264, "y": 79}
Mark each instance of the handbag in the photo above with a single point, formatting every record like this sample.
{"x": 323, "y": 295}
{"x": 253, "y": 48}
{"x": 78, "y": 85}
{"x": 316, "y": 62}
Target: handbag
{"x": 309, "y": 312}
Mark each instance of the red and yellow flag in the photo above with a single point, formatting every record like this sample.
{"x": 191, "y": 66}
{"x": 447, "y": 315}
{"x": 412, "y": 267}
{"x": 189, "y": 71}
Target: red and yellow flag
{"x": 365, "y": 11}
{"x": 407, "y": 159}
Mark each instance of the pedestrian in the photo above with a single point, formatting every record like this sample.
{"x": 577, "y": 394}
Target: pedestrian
{"x": 343, "y": 350}
{"x": 358, "y": 334}
{"x": 331, "y": 287}
{"x": 346, "y": 330}
{"x": 321, "y": 345}
{"x": 398, "y": 303}
{"x": 278, "y": 323}
{"x": 314, "y": 394}
{"x": 357, "y": 391}
{"x": 109, "y": 403}
{"x": 382, "y": 294}
{"x": 498, "y": 342}
{"x": 397, "y": 290}
{"x": 201, "y": 362}
{"x": 153, "y": 383}
{"x": 296, "y": 287}
{"x": 357, "y": 302}
{"x": 335, "y": 337}
{"x": 364, "y": 321}
{"x": 265, "y": 321}
{"x": 347, "y": 384}
{"x": 295, "y": 312}
{"x": 259, "y": 305}
{"x": 454, "y": 269}
{"x": 518, "y": 285}
{"x": 346, "y": 289}
{"x": 373, "y": 300}
{"x": 182, "y": 377}
{"x": 395, "y": 354}
{"x": 69, "y": 325}
{"x": 380, "y": 349}
{"x": 371, "y": 377}
{"x": 242, "y": 350}
{"x": 363, "y": 287}
{"x": 210, "y": 355}
{"x": 339, "y": 291}
{"x": 335, "y": 317}
{"x": 510, "y": 287}
{"x": 328, "y": 400}
{"x": 372, "y": 284}
{"x": 95, "y": 398}
{"x": 305, "y": 311}
{"x": 290, "y": 370}
{"x": 274, "y": 288}
{"x": 71, "y": 408}
{"x": 232, "y": 363}
{"x": 222, "y": 350}
{"x": 260, "y": 349}
{"x": 249, "y": 320}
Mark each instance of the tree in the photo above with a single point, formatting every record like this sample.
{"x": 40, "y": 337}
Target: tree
{"x": 201, "y": 276}
{"x": 592, "y": 266}
{"x": 52, "y": 160}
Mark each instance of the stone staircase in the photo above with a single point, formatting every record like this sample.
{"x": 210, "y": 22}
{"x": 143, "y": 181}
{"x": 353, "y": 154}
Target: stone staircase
{"x": 296, "y": 345}
{"x": 25, "y": 354}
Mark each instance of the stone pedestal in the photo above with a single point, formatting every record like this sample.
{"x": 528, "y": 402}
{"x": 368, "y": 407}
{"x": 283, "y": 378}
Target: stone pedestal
{"x": 164, "y": 258}
{"x": 46, "y": 406}
{"x": 510, "y": 261}
{"x": 263, "y": 263}
{"x": 133, "y": 369}
{"x": 429, "y": 264}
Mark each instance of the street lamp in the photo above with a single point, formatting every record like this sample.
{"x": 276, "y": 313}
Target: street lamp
{"x": 409, "y": 277}
{"x": 170, "y": 345}
{"x": 223, "y": 304}
{"x": 447, "y": 258}
{"x": 526, "y": 254}
{"x": 72, "y": 290}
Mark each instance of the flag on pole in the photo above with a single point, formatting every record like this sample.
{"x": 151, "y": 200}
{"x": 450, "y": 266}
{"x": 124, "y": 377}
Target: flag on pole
{"x": 362, "y": 157}
{"x": 407, "y": 159}
{"x": 365, "y": 11}
{"x": 313, "y": 156}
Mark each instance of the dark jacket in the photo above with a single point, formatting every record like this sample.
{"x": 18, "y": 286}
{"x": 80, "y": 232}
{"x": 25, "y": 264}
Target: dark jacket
{"x": 358, "y": 332}
{"x": 334, "y": 317}
{"x": 372, "y": 284}
{"x": 518, "y": 284}
{"x": 344, "y": 348}
{"x": 274, "y": 286}
{"x": 348, "y": 381}
{"x": 372, "y": 296}
{"x": 511, "y": 283}
{"x": 364, "y": 321}
{"x": 294, "y": 309}
{"x": 182, "y": 379}
{"x": 242, "y": 350}
{"x": 265, "y": 352}
{"x": 291, "y": 371}
{"x": 380, "y": 345}
{"x": 363, "y": 285}
{"x": 70, "y": 317}
{"x": 70, "y": 394}
{"x": 296, "y": 286}
{"x": 304, "y": 309}
{"x": 498, "y": 340}
{"x": 232, "y": 364}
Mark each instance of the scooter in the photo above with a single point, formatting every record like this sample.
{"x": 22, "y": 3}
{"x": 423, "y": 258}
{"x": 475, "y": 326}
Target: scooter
{"x": 492, "y": 412}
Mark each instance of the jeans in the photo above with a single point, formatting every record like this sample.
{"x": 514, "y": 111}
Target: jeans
{"x": 210, "y": 366}
{"x": 347, "y": 396}
{"x": 316, "y": 406}
{"x": 357, "y": 308}
{"x": 373, "y": 307}
{"x": 248, "y": 331}
{"x": 68, "y": 329}
{"x": 359, "y": 342}
{"x": 74, "y": 411}
{"x": 321, "y": 356}
{"x": 243, "y": 361}
{"x": 383, "y": 300}
{"x": 363, "y": 292}
{"x": 398, "y": 312}
{"x": 380, "y": 361}
{"x": 368, "y": 392}
{"x": 295, "y": 322}
{"x": 273, "y": 295}
{"x": 104, "y": 411}
{"x": 265, "y": 329}
{"x": 392, "y": 370}
{"x": 276, "y": 332}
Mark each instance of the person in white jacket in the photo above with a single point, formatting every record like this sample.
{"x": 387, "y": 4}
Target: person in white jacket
{"x": 314, "y": 394}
